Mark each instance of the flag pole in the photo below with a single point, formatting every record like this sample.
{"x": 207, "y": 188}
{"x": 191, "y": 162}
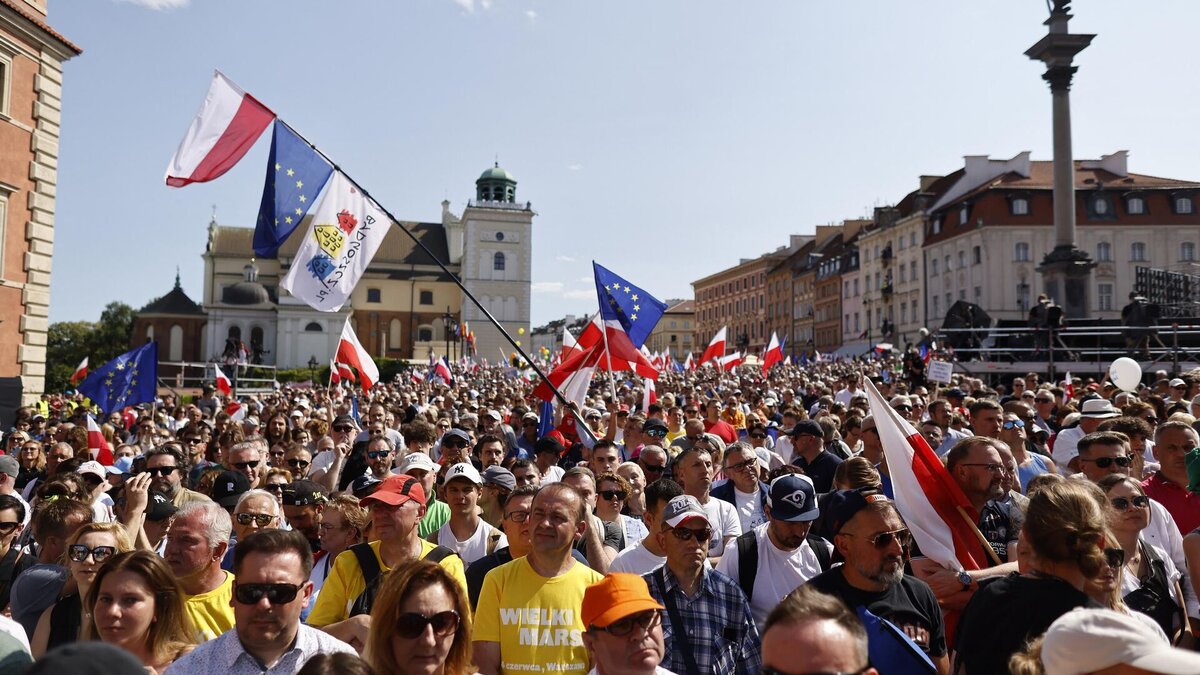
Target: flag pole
{"x": 453, "y": 277}
{"x": 612, "y": 385}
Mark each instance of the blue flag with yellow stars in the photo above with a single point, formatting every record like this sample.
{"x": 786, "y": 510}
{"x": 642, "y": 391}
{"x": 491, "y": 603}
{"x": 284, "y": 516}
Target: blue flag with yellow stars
{"x": 129, "y": 379}
{"x": 295, "y": 175}
{"x": 636, "y": 310}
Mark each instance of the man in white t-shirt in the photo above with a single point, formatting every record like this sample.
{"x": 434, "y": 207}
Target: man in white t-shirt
{"x": 693, "y": 469}
{"x": 743, "y": 489}
{"x": 547, "y": 452}
{"x": 646, "y": 556}
{"x": 466, "y": 533}
{"x": 1066, "y": 445}
{"x": 785, "y": 556}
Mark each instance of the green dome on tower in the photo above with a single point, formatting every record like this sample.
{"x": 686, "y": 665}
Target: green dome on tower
{"x": 496, "y": 185}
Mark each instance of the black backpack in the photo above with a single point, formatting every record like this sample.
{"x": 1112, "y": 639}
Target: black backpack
{"x": 747, "y": 551}
{"x": 373, "y": 574}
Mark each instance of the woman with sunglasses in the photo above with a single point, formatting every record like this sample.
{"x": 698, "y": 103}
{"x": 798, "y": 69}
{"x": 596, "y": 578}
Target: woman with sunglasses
{"x": 611, "y": 492}
{"x": 275, "y": 481}
{"x": 1150, "y": 583}
{"x": 86, "y": 551}
{"x": 32, "y": 463}
{"x": 136, "y": 603}
{"x": 420, "y": 624}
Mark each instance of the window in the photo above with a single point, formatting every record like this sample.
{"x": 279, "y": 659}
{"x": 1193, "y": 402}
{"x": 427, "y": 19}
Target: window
{"x": 426, "y": 297}
{"x": 946, "y": 263}
{"x": 933, "y": 267}
{"x": 977, "y": 255}
{"x": 498, "y": 262}
{"x": 962, "y": 294}
{"x": 912, "y": 238}
{"x": 425, "y": 334}
{"x": 1101, "y": 207}
{"x": 5, "y": 81}
{"x": 3, "y": 226}
{"x": 1019, "y": 206}
{"x": 937, "y": 305}
{"x": 175, "y": 343}
{"x": 937, "y": 225}
{"x": 313, "y": 327}
{"x": 962, "y": 259}
{"x": 903, "y": 274}
{"x": 1105, "y": 298}
{"x": 912, "y": 270}
{"x": 1021, "y": 252}
{"x": 395, "y": 335}
{"x": 978, "y": 294}
{"x": 856, "y": 288}
{"x": 1023, "y": 296}
{"x": 1137, "y": 252}
{"x": 1136, "y": 206}
{"x": 964, "y": 212}
{"x": 1187, "y": 251}
{"x": 1104, "y": 252}
{"x": 1183, "y": 205}
{"x": 904, "y": 312}
{"x": 373, "y": 295}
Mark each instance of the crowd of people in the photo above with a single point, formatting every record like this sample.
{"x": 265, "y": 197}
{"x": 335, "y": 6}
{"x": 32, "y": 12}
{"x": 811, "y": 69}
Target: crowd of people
{"x": 740, "y": 523}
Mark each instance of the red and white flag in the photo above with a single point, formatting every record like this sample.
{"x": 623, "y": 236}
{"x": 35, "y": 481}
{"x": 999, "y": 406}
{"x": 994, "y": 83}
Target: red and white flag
{"x": 621, "y": 353}
{"x": 730, "y": 362}
{"x": 689, "y": 364}
{"x": 933, "y": 506}
{"x": 80, "y": 371}
{"x": 417, "y": 376}
{"x": 351, "y": 352}
{"x": 774, "y": 353}
{"x": 334, "y": 378}
{"x": 345, "y": 372}
{"x": 1068, "y": 385}
{"x": 569, "y": 344}
{"x": 223, "y": 383}
{"x": 715, "y": 349}
{"x": 228, "y": 124}
{"x": 98, "y": 447}
{"x": 649, "y": 394}
{"x": 236, "y": 411}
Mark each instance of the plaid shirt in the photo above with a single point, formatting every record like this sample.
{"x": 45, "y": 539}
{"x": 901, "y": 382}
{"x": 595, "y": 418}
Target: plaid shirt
{"x": 717, "y": 624}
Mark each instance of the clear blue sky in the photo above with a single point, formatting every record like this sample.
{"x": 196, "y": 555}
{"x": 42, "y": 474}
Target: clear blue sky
{"x": 664, "y": 138}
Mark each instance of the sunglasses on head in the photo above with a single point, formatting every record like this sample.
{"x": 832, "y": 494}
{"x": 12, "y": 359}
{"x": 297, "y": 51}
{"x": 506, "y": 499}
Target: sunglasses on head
{"x": 276, "y": 594}
{"x": 1123, "y": 503}
{"x": 622, "y": 627}
{"x": 161, "y": 470}
{"x": 1105, "y": 462}
{"x": 885, "y": 539}
{"x": 247, "y": 465}
{"x": 614, "y": 494}
{"x": 686, "y": 534}
{"x": 411, "y": 625}
{"x": 261, "y": 519}
{"x": 79, "y": 552}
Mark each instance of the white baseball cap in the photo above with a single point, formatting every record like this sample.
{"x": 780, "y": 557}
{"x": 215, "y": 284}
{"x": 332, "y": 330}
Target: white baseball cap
{"x": 1086, "y": 640}
{"x": 464, "y": 470}
{"x": 417, "y": 460}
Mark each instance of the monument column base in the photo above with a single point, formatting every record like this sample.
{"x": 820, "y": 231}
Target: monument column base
{"x": 1067, "y": 276}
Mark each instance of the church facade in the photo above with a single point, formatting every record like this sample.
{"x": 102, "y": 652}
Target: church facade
{"x": 404, "y": 307}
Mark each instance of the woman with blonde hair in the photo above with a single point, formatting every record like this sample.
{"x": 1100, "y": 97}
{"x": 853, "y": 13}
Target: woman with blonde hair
{"x": 136, "y": 603}
{"x": 421, "y": 623}
{"x": 31, "y": 462}
{"x": 89, "y": 548}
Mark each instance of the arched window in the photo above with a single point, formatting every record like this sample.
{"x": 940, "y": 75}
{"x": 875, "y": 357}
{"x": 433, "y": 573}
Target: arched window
{"x": 395, "y": 334}
{"x": 175, "y": 344}
{"x": 498, "y": 262}
{"x": 235, "y": 332}
{"x": 313, "y": 327}
{"x": 149, "y": 332}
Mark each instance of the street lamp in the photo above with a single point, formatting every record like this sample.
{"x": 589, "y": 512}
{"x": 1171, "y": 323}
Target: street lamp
{"x": 312, "y": 367}
{"x": 448, "y": 317}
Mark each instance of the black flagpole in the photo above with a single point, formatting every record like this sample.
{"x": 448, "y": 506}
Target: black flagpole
{"x": 575, "y": 413}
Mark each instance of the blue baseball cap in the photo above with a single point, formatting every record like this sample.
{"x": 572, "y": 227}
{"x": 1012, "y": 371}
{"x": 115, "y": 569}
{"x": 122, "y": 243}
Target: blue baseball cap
{"x": 793, "y": 498}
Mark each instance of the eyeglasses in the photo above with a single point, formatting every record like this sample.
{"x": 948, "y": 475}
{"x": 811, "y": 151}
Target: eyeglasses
{"x": 193, "y": 441}
{"x": 906, "y": 408}
{"x": 247, "y": 465}
{"x": 622, "y": 627}
{"x": 686, "y": 534}
{"x": 411, "y": 625}
{"x": 161, "y": 470}
{"x": 741, "y": 466}
{"x": 885, "y": 539}
{"x": 994, "y": 468}
{"x": 274, "y": 487}
{"x": 654, "y": 468}
{"x": 1114, "y": 557}
{"x": 261, "y": 519}
{"x": 1013, "y": 423}
{"x": 1105, "y": 462}
{"x": 614, "y": 494}
{"x": 276, "y": 594}
{"x": 656, "y": 433}
{"x": 1122, "y": 503}
{"x": 298, "y": 463}
{"x": 378, "y": 454}
{"x": 758, "y": 436}
{"x": 9, "y": 526}
{"x": 344, "y": 429}
{"x": 78, "y": 553}
{"x": 518, "y": 516}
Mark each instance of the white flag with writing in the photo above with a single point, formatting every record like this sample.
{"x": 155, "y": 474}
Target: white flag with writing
{"x": 345, "y": 232}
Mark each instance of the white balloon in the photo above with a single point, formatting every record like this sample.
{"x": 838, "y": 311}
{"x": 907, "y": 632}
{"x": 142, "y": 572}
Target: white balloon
{"x": 1125, "y": 373}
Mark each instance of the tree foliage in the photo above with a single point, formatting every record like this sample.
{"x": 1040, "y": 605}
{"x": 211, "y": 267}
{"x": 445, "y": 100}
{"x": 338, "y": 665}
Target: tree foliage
{"x": 67, "y": 342}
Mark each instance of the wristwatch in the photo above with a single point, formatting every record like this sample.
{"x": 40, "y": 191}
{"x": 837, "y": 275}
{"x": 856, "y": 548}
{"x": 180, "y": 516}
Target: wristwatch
{"x": 965, "y": 580}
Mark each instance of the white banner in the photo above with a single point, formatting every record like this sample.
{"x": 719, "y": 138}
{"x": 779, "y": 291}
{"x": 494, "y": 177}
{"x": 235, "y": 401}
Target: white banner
{"x": 939, "y": 371}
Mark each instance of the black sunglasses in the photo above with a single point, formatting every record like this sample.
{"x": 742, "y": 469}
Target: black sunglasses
{"x": 1105, "y": 462}
{"x": 298, "y": 463}
{"x": 885, "y": 539}
{"x": 79, "y": 552}
{"x": 378, "y": 454}
{"x": 656, "y": 433}
{"x": 411, "y": 625}
{"x": 1122, "y": 503}
{"x": 654, "y": 468}
{"x": 622, "y": 627}
{"x": 1114, "y": 557}
{"x": 343, "y": 429}
{"x": 161, "y": 470}
{"x": 263, "y": 519}
{"x": 9, "y": 526}
{"x": 247, "y": 465}
{"x": 274, "y": 487}
{"x": 686, "y": 534}
{"x": 758, "y": 436}
{"x": 276, "y": 594}
{"x": 614, "y": 494}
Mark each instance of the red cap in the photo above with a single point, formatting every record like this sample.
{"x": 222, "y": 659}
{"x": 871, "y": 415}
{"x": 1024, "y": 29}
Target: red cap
{"x": 395, "y": 490}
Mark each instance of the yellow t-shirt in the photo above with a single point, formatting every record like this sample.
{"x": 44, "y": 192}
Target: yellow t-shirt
{"x": 211, "y": 612}
{"x": 345, "y": 583}
{"x": 536, "y": 620}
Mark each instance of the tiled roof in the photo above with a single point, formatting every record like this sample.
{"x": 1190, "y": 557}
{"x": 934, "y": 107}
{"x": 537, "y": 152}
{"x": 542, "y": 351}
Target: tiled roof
{"x": 40, "y": 23}
{"x": 1041, "y": 177}
{"x": 174, "y": 303}
{"x": 682, "y": 307}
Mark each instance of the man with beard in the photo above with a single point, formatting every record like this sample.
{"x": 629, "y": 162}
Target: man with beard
{"x": 871, "y": 538}
{"x": 167, "y": 467}
{"x": 272, "y": 587}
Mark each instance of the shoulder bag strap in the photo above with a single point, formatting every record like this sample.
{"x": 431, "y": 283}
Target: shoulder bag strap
{"x": 747, "y": 553}
{"x": 677, "y": 625}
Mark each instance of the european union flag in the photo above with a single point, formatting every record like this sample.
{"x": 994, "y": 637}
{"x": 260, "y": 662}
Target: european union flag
{"x": 295, "y": 175}
{"x": 636, "y": 310}
{"x": 129, "y": 379}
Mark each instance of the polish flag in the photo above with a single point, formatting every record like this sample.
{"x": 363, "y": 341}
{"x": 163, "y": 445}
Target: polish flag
{"x": 417, "y": 376}
{"x": 97, "y": 446}
{"x": 621, "y": 352}
{"x": 569, "y": 343}
{"x": 773, "y": 355}
{"x": 223, "y": 383}
{"x": 940, "y": 516}
{"x": 80, "y": 371}
{"x": 649, "y": 394}
{"x": 730, "y": 362}
{"x": 229, "y": 122}
{"x": 442, "y": 369}
{"x": 689, "y": 364}
{"x": 345, "y": 373}
{"x": 715, "y": 349}
{"x": 1068, "y": 385}
{"x": 334, "y": 378}
{"x": 236, "y": 411}
{"x": 351, "y": 352}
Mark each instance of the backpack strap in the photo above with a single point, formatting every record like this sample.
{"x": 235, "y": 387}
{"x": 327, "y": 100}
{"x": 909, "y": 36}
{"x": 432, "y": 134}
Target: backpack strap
{"x": 367, "y": 562}
{"x": 438, "y": 554}
{"x": 747, "y": 552}
{"x": 821, "y": 550}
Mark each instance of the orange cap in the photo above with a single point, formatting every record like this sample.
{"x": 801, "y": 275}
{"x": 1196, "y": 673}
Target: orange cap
{"x": 615, "y": 597}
